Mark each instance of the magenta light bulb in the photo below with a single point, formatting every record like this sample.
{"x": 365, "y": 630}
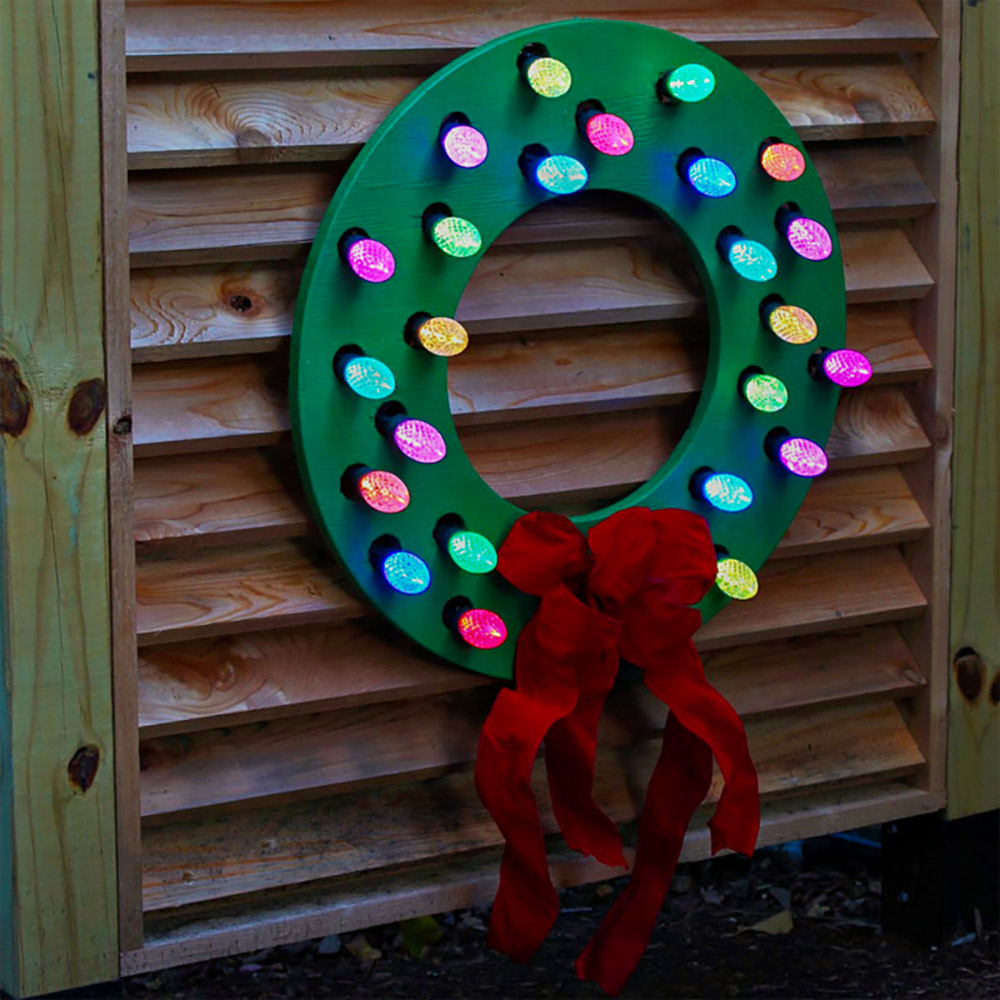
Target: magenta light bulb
{"x": 802, "y": 457}
{"x": 420, "y": 441}
{"x": 369, "y": 259}
{"x": 609, "y": 134}
{"x": 847, "y": 368}
{"x": 809, "y": 239}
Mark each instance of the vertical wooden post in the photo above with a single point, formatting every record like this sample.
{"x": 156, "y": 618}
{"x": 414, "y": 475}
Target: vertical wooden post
{"x": 973, "y": 710}
{"x": 58, "y": 906}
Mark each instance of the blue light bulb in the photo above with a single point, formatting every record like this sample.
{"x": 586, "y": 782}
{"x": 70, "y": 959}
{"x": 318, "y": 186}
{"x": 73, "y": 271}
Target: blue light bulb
{"x": 561, "y": 174}
{"x": 710, "y": 177}
{"x": 726, "y": 492}
{"x": 406, "y": 572}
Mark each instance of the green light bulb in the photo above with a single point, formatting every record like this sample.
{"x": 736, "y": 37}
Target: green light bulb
{"x": 471, "y": 552}
{"x": 691, "y": 82}
{"x": 456, "y": 237}
{"x": 765, "y": 393}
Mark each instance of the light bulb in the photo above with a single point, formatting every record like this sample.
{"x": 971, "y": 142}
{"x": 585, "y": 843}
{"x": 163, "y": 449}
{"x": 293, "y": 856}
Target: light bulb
{"x": 472, "y": 552}
{"x": 846, "y": 368}
{"x": 368, "y": 377}
{"x": 749, "y": 259}
{"x": 464, "y": 145}
{"x": 689, "y": 83}
{"x": 456, "y": 237}
{"x": 736, "y": 579}
{"x": 807, "y": 237}
{"x": 406, "y": 572}
{"x": 766, "y": 393}
{"x": 782, "y": 161}
{"x": 609, "y": 134}
{"x": 383, "y": 491}
{"x": 481, "y": 628}
{"x": 548, "y": 77}
{"x": 443, "y": 336}
{"x": 367, "y": 258}
{"x": 802, "y": 457}
{"x": 791, "y": 324}
{"x": 723, "y": 490}
{"x": 709, "y": 177}
{"x": 420, "y": 441}
{"x": 561, "y": 174}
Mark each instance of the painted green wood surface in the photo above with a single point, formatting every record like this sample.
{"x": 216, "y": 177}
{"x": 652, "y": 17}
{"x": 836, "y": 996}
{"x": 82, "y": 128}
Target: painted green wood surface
{"x": 974, "y": 694}
{"x": 401, "y": 172}
{"x": 58, "y": 909}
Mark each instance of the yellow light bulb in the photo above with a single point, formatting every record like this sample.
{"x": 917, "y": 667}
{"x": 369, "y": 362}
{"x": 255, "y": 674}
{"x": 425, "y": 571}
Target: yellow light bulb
{"x": 442, "y": 336}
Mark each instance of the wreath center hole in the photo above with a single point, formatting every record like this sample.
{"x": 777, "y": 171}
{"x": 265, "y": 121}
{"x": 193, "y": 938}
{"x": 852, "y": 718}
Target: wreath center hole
{"x": 588, "y": 352}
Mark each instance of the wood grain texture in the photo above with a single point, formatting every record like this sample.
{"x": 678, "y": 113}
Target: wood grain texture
{"x": 203, "y": 311}
{"x": 220, "y": 403}
{"x": 121, "y": 548}
{"x": 279, "y": 760}
{"x": 224, "y": 591}
{"x": 58, "y": 894}
{"x": 175, "y": 120}
{"x": 207, "y": 859}
{"x": 237, "y": 214}
{"x": 974, "y": 694}
{"x": 253, "y": 677}
{"x": 341, "y": 905}
{"x": 276, "y": 33}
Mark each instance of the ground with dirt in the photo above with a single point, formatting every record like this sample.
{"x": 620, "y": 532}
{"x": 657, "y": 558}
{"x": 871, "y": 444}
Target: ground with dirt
{"x": 779, "y": 926}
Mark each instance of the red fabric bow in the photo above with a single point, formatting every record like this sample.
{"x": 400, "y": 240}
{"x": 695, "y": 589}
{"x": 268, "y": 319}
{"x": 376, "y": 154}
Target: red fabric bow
{"x": 625, "y": 596}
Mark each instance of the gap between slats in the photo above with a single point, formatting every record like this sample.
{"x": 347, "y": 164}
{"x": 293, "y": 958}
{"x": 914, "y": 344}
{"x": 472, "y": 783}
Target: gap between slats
{"x": 268, "y": 212}
{"x": 177, "y": 121}
{"x": 285, "y": 915}
{"x": 162, "y": 35}
{"x": 203, "y": 311}
{"x": 203, "y": 860}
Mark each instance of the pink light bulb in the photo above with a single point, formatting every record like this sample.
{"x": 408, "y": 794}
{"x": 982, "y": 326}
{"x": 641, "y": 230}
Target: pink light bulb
{"x": 809, "y": 239}
{"x": 465, "y": 146}
{"x": 481, "y": 628}
{"x": 420, "y": 441}
{"x": 802, "y": 457}
{"x": 610, "y": 134}
{"x": 371, "y": 260}
{"x": 847, "y": 368}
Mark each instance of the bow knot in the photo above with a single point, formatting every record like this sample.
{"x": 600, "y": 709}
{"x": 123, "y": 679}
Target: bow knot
{"x": 623, "y": 592}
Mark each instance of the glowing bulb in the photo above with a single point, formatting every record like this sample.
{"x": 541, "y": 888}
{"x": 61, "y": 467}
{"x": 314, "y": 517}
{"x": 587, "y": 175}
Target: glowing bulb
{"x": 809, "y": 239}
{"x": 690, "y": 83}
{"x": 752, "y": 260}
{"x": 710, "y": 177}
{"x": 736, "y": 579}
{"x": 383, "y": 491}
{"x": 792, "y": 324}
{"x": 442, "y": 336}
{"x": 609, "y": 134}
{"x": 420, "y": 441}
{"x": 464, "y": 145}
{"x": 456, "y": 237}
{"x": 765, "y": 393}
{"x": 782, "y": 161}
{"x": 561, "y": 174}
{"x": 406, "y": 572}
{"x": 481, "y": 628}
{"x": 369, "y": 378}
{"x": 847, "y": 368}
{"x": 472, "y": 552}
{"x": 724, "y": 491}
{"x": 548, "y": 77}
{"x": 802, "y": 457}
{"x": 371, "y": 260}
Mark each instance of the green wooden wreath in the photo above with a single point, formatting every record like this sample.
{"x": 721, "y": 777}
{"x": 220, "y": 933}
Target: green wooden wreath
{"x": 404, "y": 192}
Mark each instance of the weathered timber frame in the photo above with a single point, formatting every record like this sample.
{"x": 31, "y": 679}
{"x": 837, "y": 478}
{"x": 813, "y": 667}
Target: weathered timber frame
{"x": 79, "y": 901}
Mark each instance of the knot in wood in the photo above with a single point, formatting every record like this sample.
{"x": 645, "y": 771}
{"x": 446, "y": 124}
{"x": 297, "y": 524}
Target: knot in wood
{"x": 86, "y": 406}
{"x": 15, "y": 400}
{"x": 83, "y": 767}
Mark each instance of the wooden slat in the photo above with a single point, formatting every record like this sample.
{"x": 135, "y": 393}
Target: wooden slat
{"x": 222, "y": 591}
{"x": 413, "y": 741}
{"x": 223, "y": 403}
{"x": 178, "y": 121}
{"x": 260, "y": 214}
{"x": 203, "y": 684}
{"x": 208, "y": 34}
{"x": 202, "y": 311}
{"x": 337, "y": 906}
{"x": 206, "y": 860}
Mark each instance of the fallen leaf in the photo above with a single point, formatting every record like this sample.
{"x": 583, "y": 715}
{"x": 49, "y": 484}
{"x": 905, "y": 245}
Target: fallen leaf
{"x": 779, "y": 923}
{"x": 419, "y": 933}
{"x": 360, "y": 948}
{"x": 604, "y": 890}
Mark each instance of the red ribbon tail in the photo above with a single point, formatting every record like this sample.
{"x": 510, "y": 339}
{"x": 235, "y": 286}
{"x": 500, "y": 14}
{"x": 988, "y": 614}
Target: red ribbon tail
{"x": 526, "y": 903}
{"x": 570, "y": 753}
{"x": 680, "y": 781}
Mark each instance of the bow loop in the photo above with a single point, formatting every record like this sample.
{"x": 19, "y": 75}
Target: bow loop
{"x": 541, "y": 551}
